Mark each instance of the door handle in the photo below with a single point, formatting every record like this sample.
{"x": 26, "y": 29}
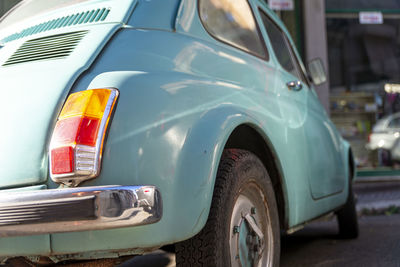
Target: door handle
{"x": 294, "y": 85}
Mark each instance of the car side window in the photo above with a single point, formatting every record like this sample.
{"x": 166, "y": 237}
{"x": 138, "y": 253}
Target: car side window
{"x": 395, "y": 123}
{"x": 282, "y": 49}
{"x": 233, "y": 22}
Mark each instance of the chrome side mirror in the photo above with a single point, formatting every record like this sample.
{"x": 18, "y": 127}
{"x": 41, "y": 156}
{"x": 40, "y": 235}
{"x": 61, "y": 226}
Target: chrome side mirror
{"x": 317, "y": 71}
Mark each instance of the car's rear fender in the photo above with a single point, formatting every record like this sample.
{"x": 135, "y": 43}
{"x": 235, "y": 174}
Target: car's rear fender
{"x": 155, "y": 139}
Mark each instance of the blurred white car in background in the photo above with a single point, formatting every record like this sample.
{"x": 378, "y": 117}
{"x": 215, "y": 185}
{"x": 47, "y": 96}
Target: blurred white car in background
{"x": 385, "y": 136}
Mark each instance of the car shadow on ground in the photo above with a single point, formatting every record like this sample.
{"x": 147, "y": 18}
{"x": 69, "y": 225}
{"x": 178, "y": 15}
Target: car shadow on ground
{"x": 310, "y": 235}
{"x": 158, "y": 258}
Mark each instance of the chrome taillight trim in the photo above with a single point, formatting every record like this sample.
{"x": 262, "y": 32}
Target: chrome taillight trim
{"x": 100, "y": 138}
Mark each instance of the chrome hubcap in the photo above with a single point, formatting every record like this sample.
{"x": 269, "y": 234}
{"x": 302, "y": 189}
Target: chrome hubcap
{"x": 251, "y": 232}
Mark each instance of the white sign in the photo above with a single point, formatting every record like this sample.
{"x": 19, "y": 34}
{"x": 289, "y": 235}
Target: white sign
{"x": 371, "y": 18}
{"x": 281, "y": 4}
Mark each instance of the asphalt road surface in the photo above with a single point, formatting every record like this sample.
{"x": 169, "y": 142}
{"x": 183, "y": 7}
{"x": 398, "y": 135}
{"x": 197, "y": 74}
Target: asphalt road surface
{"x": 318, "y": 245}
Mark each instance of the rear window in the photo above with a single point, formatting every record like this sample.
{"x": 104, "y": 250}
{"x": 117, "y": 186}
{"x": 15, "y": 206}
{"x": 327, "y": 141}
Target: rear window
{"x": 232, "y": 22}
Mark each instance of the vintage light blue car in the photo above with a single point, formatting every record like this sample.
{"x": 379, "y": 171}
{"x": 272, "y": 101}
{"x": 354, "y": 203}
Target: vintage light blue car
{"x": 133, "y": 124}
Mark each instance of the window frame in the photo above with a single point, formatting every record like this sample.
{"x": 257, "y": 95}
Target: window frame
{"x": 302, "y": 75}
{"x": 266, "y": 55}
{"x": 390, "y": 127}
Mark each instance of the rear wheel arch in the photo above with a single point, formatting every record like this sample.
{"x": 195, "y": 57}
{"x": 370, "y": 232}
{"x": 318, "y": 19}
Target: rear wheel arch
{"x": 243, "y": 225}
{"x": 247, "y": 137}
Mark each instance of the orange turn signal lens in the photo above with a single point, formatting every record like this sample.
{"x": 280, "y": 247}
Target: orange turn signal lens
{"x": 89, "y": 103}
{"x": 77, "y": 141}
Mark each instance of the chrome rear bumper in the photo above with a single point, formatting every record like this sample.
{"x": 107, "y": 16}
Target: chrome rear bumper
{"x": 78, "y": 209}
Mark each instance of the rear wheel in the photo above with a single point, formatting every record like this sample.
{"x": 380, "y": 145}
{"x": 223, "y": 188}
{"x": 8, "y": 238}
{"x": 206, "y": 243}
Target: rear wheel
{"x": 347, "y": 217}
{"x": 243, "y": 225}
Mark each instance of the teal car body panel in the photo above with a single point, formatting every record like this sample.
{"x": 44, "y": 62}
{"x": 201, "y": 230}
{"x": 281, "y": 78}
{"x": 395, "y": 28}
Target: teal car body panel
{"x": 32, "y": 108}
{"x": 173, "y": 119}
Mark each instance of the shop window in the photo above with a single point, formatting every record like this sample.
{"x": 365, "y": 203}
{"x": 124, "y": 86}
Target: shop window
{"x": 364, "y": 70}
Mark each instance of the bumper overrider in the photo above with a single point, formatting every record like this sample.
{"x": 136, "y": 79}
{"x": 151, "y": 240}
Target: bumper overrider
{"x": 78, "y": 209}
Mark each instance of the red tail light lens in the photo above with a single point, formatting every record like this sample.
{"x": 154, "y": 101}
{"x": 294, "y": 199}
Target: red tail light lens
{"x": 79, "y": 130}
{"x": 77, "y": 141}
{"x": 62, "y": 160}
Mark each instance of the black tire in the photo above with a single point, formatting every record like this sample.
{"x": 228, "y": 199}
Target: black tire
{"x": 386, "y": 156}
{"x": 242, "y": 181}
{"x": 347, "y": 217}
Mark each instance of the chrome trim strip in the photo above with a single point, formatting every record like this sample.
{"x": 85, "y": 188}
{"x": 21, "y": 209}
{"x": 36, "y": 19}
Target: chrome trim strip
{"x": 102, "y": 131}
{"x": 78, "y": 209}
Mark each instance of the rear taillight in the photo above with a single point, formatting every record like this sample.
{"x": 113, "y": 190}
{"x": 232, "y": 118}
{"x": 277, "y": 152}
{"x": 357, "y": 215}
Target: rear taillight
{"x": 77, "y": 142}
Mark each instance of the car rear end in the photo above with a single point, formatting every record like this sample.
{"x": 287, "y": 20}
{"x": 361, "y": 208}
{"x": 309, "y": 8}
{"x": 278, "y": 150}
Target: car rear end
{"x": 53, "y": 134}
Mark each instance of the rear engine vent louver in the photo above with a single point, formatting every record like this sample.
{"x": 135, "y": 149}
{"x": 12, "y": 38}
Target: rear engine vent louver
{"x": 51, "y": 47}
{"x": 91, "y": 16}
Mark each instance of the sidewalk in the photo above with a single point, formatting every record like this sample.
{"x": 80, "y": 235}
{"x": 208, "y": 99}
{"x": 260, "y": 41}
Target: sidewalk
{"x": 377, "y": 195}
